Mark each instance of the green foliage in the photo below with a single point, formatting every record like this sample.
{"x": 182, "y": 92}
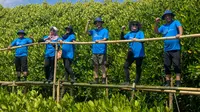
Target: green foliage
{"x": 36, "y": 20}
{"x": 34, "y": 102}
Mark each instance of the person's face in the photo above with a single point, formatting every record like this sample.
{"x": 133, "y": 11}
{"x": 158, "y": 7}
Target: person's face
{"x": 67, "y": 30}
{"x": 168, "y": 18}
{"x": 52, "y": 32}
{"x": 134, "y": 27}
{"x": 98, "y": 24}
{"x": 21, "y": 35}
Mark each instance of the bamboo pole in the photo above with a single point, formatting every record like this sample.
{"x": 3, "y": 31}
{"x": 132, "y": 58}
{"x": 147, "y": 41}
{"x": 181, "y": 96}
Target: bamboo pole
{"x": 109, "y": 42}
{"x": 54, "y": 75}
{"x": 58, "y": 92}
{"x": 24, "y": 83}
{"x": 171, "y": 95}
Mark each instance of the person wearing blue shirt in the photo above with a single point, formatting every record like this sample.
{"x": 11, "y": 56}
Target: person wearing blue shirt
{"x": 98, "y": 50}
{"x": 68, "y": 52}
{"x": 21, "y": 54}
{"x": 50, "y": 53}
{"x": 171, "y": 47}
{"x": 135, "y": 52}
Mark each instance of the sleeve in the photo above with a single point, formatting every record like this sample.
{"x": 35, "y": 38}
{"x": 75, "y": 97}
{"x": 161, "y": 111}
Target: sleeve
{"x": 106, "y": 34}
{"x": 160, "y": 29}
{"x": 42, "y": 39}
{"x": 141, "y": 35}
{"x": 13, "y": 43}
{"x": 91, "y": 32}
{"x": 122, "y": 36}
{"x": 72, "y": 37}
{"x": 29, "y": 40}
{"x": 177, "y": 23}
{"x": 126, "y": 36}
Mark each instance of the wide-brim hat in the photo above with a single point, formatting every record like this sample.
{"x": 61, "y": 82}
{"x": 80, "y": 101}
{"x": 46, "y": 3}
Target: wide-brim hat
{"x": 98, "y": 20}
{"x": 69, "y": 27}
{"x": 53, "y": 28}
{"x": 21, "y": 32}
{"x": 167, "y": 12}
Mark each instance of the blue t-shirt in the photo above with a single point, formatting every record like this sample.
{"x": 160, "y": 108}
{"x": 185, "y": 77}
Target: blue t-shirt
{"x": 137, "y": 47}
{"x": 50, "y": 49}
{"x": 23, "y": 51}
{"x": 68, "y": 49}
{"x": 99, "y": 35}
{"x": 171, "y": 30}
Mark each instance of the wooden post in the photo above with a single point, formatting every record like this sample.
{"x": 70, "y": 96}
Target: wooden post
{"x": 55, "y": 68}
{"x": 58, "y": 91}
{"x": 133, "y": 92}
{"x": 171, "y": 96}
{"x": 107, "y": 88}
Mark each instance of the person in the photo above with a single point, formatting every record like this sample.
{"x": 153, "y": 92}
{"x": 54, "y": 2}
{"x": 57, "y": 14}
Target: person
{"x": 50, "y": 53}
{"x": 68, "y": 52}
{"x": 99, "y": 50}
{"x": 21, "y": 62}
{"x": 135, "y": 52}
{"x": 172, "y": 48}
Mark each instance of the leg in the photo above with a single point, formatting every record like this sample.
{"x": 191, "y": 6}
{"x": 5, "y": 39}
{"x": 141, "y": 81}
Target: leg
{"x": 24, "y": 67}
{"x": 138, "y": 69}
{"x": 66, "y": 73}
{"x": 177, "y": 66}
{"x": 47, "y": 68}
{"x": 52, "y": 61}
{"x": 127, "y": 64}
{"x": 68, "y": 68}
{"x": 18, "y": 68}
{"x": 96, "y": 67}
{"x": 102, "y": 61}
{"x": 167, "y": 66}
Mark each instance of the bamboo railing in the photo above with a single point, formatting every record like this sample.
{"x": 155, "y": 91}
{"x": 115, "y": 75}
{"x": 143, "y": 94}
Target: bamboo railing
{"x": 180, "y": 90}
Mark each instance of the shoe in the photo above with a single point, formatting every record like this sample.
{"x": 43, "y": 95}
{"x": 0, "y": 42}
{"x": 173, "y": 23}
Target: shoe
{"x": 178, "y": 83}
{"x": 103, "y": 80}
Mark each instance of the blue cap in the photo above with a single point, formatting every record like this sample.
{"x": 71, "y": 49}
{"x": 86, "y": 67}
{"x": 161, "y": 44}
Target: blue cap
{"x": 167, "y": 12}
{"x": 21, "y": 32}
{"x": 69, "y": 27}
{"x": 98, "y": 20}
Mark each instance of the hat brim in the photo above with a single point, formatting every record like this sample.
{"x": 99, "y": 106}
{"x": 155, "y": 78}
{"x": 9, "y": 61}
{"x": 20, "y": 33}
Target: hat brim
{"x": 98, "y": 21}
{"x": 21, "y": 33}
{"x": 163, "y": 16}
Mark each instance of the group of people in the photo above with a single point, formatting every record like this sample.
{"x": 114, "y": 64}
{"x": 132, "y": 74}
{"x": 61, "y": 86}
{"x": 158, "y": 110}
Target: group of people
{"x": 135, "y": 53}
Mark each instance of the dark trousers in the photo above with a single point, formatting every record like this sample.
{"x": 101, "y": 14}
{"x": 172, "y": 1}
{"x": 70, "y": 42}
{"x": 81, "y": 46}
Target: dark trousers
{"x": 130, "y": 59}
{"x": 172, "y": 57}
{"x": 49, "y": 67}
{"x": 67, "y": 64}
{"x": 21, "y": 64}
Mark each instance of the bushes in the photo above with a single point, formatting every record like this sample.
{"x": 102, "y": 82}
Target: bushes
{"x": 36, "y": 20}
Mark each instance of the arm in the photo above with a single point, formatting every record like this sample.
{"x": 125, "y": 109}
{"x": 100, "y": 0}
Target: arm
{"x": 156, "y": 26}
{"x": 12, "y": 44}
{"x": 180, "y": 29}
{"x": 86, "y": 28}
{"x": 122, "y": 33}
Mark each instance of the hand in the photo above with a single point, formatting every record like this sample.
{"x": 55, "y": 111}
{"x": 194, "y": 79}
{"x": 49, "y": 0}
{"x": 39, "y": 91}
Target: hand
{"x": 157, "y": 20}
{"x": 123, "y": 28}
{"x": 9, "y": 47}
{"x": 97, "y": 41}
{"x": 178, "y": 36}
{"x": 88, "y": 21}
{"x": 134, "y": 39}
{"x": 61, "y": 42}
{"x": 31, "y": 36}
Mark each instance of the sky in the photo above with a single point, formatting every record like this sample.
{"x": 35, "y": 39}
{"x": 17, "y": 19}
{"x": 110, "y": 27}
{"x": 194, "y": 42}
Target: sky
{"x": 14, "y": 3}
